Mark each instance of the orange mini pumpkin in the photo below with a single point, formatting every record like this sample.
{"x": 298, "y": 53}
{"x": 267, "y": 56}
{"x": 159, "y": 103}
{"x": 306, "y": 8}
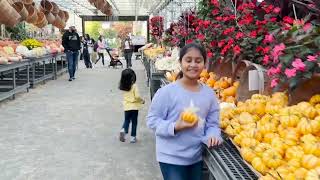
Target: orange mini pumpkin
{"x": 189, "y": 117}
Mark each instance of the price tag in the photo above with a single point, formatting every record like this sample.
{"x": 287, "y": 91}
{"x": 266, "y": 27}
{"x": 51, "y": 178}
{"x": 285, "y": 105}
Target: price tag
{"x": 253, "y": 80}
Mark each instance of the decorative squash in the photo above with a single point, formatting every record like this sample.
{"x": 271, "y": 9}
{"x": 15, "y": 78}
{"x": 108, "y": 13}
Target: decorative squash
{"x": 258, "y": 165}
{"x": 300, "y": 173}
{"x": 247, "y": 153}
{"x": 279, "y": 145}
{"x": 312, "y": 148}
{"x": 295, "y": 152}
{"x": 246, "y": 118}
{"x": 230, "y": 99}
{"x": 266, "y": 128}
{"x": 309, "y": 161}
{"x": 230, "y": 91}
{"x": 189, "y": 117}
{"x": 294, "y": 164}
{"x": 315, "y": 99}
{"x": 210, "y": 82}
{"x": 204, "y": 74}
{"x": 269, "y": 137}
{"x": 248, "y": 142}
{"x": 272, "y": 158}
{"x": 289, "y": 120}
{"x": 309, "y": 138}
{"x": 306, "y": 126}
{"x": 313, "y": 174}
{"x": 262, "y": 147}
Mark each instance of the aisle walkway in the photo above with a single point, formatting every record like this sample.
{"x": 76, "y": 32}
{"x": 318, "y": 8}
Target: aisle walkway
{"x": 69, "y": 131}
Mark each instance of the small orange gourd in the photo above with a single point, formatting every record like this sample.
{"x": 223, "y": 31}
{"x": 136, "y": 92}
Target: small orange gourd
{"x": 189, "y": 117}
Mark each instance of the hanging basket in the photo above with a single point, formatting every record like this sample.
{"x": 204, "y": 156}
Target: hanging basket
{"x": 50, "y": 18}
{"x": 9, "y": 16}
{"x": 55, "y": 9}
{"x": 100, "y": 4}
{"x": 107, "y": 9}
{"x": 42, "y": 20}
{"x": 33, "y": 17}
{"x": 27, "y": 2}
{"x": 305, "y": 90}
{"x": 242, "y": 72}
{"x": 20, "y": 8}
{"x": 61, "y": 15}
{"x": 222, "y": 68}
{"x": 66, "y": 16}
{"x": 46, "y": 6}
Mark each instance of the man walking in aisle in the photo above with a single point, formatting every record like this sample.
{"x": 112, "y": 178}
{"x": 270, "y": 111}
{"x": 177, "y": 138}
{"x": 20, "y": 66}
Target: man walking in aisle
{"x": 72, "y": 45}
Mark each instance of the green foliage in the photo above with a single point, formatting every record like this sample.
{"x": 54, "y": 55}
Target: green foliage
{"x": 18, "y": 32}
{"x": 93, "y": 28}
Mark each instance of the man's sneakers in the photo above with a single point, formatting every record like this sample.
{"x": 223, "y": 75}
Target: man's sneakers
{"x": 70, "y": 79}
{"x": 73, "y": 78}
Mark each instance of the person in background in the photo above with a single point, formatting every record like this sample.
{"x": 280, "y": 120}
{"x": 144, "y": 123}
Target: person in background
{"x": 81, "y": 49}
{"x": 179, "y": 140}
{"x": 72, "y": 45}
{"x": 101, "y": 49}
{"x": 127, "y": 49}
{"x": 131, "y": 102}
{"x": 94, "y": 53}
{"x": 86, "y": 55}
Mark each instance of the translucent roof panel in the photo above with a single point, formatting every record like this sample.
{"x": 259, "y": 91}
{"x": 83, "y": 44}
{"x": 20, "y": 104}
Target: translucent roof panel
{"x": 120, "y": 7}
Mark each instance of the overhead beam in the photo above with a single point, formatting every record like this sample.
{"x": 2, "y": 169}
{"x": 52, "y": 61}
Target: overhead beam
{"x": 114, "y": 18}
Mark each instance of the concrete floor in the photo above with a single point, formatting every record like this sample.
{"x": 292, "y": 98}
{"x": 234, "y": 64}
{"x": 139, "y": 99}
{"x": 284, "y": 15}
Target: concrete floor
{"x": 69, "y": 131}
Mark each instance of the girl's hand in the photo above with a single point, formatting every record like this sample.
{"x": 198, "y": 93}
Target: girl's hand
{"x": 213, "y": 141}
{"x": 181, "y": 125}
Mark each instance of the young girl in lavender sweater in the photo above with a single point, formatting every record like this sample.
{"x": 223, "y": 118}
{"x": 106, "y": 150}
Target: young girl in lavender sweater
{"x": 178, "y": 143}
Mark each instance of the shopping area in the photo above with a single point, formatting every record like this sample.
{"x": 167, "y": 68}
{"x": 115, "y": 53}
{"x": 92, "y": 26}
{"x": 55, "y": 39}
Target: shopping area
{"x": 263, "y": 65}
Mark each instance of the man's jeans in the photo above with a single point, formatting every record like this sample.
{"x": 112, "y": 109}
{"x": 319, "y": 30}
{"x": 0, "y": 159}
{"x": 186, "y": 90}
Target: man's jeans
{"x": 72, "y": 58}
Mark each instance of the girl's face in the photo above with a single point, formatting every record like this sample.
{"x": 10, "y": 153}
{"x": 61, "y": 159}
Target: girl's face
{"x": 192, "y": 64}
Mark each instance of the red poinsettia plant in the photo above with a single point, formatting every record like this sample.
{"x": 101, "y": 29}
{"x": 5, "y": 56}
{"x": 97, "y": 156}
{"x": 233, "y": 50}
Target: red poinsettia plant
{"x": 295, "y": 53}
{"x": 156, "y": 28}
{"x": 236, "y": 32}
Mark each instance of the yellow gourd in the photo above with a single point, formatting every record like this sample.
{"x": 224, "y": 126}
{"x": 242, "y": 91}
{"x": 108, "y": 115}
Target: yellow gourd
{"x": 300, "y": 173}
{"x": 312, "y": 148}
{"x": 258, "y": 165}
{"x": 269, "y": 137}
{"x": 313, "y": 174}
{"x": 272, "y": 158}
{"x": 295, "y": 152}
{"x": 248, "y": 142}
{"x": 247, "y": 153}
{"x": 289, "y": 120}
{"x": 315, "y": 99}
{"x": 306, "y": 126}
{"x": 261, "y": 148}
{"x": 189, "y": 117}
{"x": 309, "y": 161}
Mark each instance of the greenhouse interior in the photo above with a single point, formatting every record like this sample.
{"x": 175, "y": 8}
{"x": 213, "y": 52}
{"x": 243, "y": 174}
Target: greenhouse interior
{"x": 160, "y": 89}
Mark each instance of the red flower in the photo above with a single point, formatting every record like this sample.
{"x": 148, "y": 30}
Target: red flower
{"x": 189, "y": 41}
{"x": 273, "y": 19}
{"x": 197, "y": 29}
{"x": 258, "y": 23}
{"x": 266, "y": 50}
{"x": 253, "y": 34}
{"x": 266, "y": 60}
{"x": 239, "y": 35}
{"x": 201, "y": 37}
{"x": 228, "y": 31}
{"x": 288, "y": 20}
{"x": 268, "y": 39}
{"x": 206, "y": 24}
{"x": 221, "y": 43}
{"x": 230, "y": 41}
{"x": 248, "y": 19}
{"x": 276, "y": 10}
{"x": 215, "y": 12}
{"x": 268, "y": 9}
{"x": 215, "y": 2}
{"x": 219, "y": 18}
{"x": 209, "y": 54}
{"x": 237, "y": 50}
{"x": 213, "y": 43}
{"x": 259, "y": 49}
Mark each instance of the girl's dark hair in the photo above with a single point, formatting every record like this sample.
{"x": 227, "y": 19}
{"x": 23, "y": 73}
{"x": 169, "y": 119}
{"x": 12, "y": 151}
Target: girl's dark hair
{"x": 185, "y": 50}
{"x": 87, "y": 36}
{"x": 100, "y": 38}
{"x": 128, "y": 78}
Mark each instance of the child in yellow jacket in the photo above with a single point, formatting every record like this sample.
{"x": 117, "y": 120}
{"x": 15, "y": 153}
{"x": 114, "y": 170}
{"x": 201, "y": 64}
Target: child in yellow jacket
{"x": 132, "y": 102}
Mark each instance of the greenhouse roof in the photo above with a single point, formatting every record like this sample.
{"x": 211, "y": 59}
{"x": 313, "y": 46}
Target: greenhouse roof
{"x": 120, "y": 7}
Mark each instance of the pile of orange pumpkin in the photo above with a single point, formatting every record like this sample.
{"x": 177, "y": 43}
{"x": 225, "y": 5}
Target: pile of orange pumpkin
{"x": 281, "y": 142}
{"x": 225, "y": 88}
